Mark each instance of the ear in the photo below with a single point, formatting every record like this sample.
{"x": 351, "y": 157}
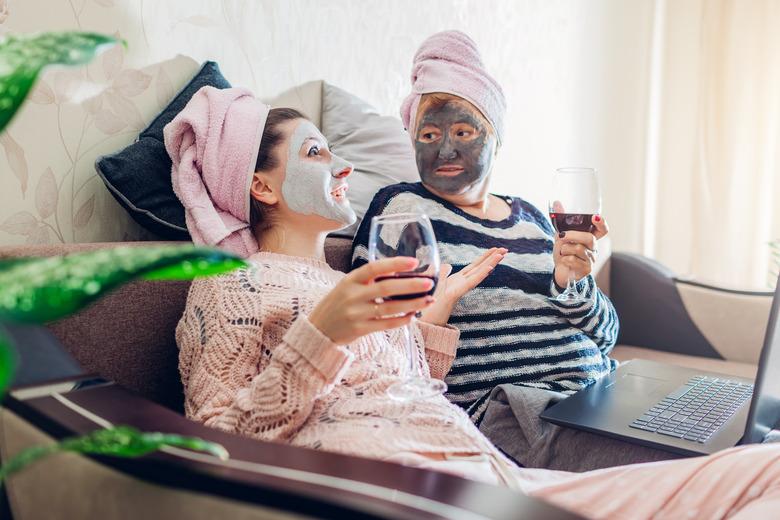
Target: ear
{"x": 262, "y": 190}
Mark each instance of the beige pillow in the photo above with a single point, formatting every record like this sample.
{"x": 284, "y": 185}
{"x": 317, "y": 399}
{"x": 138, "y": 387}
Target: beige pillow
{"x": 377, "y": 145}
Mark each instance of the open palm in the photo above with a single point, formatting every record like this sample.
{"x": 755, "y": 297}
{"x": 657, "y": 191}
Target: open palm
{"x": 452, "y": 287}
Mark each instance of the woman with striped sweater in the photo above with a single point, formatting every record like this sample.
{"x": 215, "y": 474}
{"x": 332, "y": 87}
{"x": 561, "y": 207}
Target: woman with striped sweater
{"x": 519, "y": 350}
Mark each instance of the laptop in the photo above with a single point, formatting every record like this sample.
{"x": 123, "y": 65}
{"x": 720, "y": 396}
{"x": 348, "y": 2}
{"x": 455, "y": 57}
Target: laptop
{"x": 681, "y": 410}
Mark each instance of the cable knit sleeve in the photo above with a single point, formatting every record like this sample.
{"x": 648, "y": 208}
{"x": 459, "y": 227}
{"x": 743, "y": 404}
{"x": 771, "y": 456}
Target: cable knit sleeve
{"x": 441, "y": 344}
{"x": 235, "y": 379}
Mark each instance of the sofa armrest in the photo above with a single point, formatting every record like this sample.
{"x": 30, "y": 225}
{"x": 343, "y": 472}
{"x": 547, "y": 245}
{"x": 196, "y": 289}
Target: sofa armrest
{"x": 290, "y": 481}
{"x": 659, "y": 311}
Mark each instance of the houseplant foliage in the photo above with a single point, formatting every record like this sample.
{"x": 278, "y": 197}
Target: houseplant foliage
{"x": 37, "y": 290}
{"x": 22, "y": 57}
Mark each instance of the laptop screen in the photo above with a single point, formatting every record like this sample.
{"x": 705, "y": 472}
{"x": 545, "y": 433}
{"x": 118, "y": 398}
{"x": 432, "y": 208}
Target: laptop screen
{"x": 765, "y": 407}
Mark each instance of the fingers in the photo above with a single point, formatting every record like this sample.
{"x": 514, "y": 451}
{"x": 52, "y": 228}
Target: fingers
{"x": 578, "y": 250}
{"x": 579, "y": 237}
{"x": 601, "y": 226}
{"x": 397, "y": 287}
{"x": 387, "y": 323}
{"x": 484, "y": 257}
{"x": 386, "y": 266}
{"x": 481, "y": 272}
{"x": 392, "y": 308}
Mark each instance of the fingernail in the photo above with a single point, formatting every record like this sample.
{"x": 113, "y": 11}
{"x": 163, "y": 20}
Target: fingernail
{"x": 562, "y": 234}
{"x": 597, "y": 218}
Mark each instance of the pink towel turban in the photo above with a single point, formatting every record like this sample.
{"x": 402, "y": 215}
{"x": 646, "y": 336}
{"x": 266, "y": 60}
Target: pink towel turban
{"x": 449, "y": 62}
{"x": 213, "y": 143}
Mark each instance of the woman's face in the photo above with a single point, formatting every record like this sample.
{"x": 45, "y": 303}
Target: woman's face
{"x": 454, "y": 145}
{"x": 314, "y": 181}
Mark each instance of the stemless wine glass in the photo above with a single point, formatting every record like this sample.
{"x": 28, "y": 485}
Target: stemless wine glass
{"x": 408, "y": 234}
{"x": 574, "y": 199}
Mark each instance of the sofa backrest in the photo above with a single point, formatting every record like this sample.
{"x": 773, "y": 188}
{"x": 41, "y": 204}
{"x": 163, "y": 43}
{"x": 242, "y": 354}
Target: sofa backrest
{"x": 128, "y": 335}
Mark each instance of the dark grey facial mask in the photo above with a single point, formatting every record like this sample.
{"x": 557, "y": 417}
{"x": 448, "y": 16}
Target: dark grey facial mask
{"x": 473, "y": 154}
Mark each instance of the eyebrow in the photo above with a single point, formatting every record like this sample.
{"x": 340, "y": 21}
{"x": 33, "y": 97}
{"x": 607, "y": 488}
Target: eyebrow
{"x": 315, "y": 138}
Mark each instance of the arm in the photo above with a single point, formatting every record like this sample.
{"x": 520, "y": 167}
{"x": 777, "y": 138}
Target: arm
{"x": 440, "y": 343}
{"x": 236, "y": 383}
{"x": 595, "y": 316}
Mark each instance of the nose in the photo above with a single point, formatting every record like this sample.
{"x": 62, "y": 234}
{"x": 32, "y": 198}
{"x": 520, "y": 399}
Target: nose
{"x": 343, "y": 173}
{"x": 447, "y": 152}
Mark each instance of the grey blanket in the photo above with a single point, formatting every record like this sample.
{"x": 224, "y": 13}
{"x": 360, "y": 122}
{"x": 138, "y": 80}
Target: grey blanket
{"x": 512, "y": 423}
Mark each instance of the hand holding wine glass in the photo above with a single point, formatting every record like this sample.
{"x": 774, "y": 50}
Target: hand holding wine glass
{"x": 408, "y": 235}
{"x": 575, "y": 207}
{"x": 574, "y": 252}
{"x": 350, "y": 309}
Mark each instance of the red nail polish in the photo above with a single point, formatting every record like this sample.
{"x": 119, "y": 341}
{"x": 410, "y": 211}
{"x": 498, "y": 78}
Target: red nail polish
{"x": 597, "y": 218}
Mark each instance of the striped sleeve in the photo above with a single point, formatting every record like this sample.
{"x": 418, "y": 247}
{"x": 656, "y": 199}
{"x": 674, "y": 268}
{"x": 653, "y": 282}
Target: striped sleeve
{"x": 596, "y": 316}
{"x": 377, "y": 207}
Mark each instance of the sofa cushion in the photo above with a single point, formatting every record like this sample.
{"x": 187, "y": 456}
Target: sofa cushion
{"x": 734, "y": 368}
{"x": 128, "y": 336}
{"x": 139, "y": 176}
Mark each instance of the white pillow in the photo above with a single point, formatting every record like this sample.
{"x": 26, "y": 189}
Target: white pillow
{"x": 377, "y": 145}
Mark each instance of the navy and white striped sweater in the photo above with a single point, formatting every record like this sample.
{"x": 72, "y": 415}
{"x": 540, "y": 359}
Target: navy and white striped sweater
{"x": 511, "y": 332}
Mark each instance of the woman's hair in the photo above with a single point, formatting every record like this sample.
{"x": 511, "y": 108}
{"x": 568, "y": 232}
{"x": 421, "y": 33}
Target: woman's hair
{"x": 260, "y": 217}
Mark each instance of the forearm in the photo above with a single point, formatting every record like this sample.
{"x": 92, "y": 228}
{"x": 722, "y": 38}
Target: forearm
{"x": 595, "y": 315}
{"x": 441, "y": 344}
{"x": 279, "y": 400}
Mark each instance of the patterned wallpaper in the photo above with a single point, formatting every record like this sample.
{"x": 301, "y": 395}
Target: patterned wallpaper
{"x": 572, "y": 70}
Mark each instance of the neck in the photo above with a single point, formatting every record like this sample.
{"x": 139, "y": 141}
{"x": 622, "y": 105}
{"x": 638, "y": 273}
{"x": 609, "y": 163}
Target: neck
{"x": 293, "y": 241}
{"x": 476, "y": 198}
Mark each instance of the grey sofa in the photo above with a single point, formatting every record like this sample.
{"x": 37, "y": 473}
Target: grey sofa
{"x": 128, "y": 338}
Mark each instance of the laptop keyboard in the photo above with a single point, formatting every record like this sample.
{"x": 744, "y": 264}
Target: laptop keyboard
{"x": 696, "y": 410}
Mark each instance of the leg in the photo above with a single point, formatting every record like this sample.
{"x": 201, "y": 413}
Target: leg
{"x": 742, "y": 481}
{"x": 512, "y": 423}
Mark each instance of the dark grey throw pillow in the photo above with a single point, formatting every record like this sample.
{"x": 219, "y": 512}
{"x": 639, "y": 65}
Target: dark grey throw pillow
{"x": 139, "y": 177}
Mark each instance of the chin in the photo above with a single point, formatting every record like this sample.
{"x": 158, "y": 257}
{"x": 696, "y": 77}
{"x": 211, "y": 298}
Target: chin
{"x": 342, "y": 218}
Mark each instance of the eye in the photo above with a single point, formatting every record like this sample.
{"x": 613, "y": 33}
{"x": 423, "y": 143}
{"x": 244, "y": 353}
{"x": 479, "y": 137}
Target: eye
{"x": 463, "y": 133}
{"x": 314, "y": 150}
{"x": 428, "y": 135}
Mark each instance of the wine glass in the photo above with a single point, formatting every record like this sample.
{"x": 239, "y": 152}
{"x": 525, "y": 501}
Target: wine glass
{"x": 408, "y": 234}
{"x": 574, "y": 199}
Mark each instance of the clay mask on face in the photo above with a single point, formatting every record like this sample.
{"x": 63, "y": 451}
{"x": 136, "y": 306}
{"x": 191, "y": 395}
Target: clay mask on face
{"x": 454, "y": 147}
{"x": 310, "y": 185}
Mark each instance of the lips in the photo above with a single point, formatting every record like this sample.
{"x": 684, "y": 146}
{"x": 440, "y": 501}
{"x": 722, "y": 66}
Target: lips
{"x": 339, "y": 193}
{"x": 449, "y": 170}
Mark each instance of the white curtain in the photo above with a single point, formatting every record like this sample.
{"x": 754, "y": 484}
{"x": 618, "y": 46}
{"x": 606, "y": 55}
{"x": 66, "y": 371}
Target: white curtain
{"x": 712, "y": 169}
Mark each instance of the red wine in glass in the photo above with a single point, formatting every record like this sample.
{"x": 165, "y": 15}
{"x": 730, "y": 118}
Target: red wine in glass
{"x": 434, "y": 279}
{"x": 573, "y": 222}
{"x": 408, "y": 235}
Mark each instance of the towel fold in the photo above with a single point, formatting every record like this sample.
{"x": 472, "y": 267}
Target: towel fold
{"x": 213, "y": 143}
{"x": 450, "y": 62}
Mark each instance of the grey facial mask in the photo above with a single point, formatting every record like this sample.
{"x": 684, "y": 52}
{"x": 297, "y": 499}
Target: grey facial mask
{"x": 474, "y": 155}
{"x": 308, "y": 184}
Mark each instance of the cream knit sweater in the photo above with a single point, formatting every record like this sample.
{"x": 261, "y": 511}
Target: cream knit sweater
{"x": 252, "y": 363}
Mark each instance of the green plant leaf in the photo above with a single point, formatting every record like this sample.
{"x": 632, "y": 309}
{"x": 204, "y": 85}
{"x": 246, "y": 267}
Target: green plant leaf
{"x": 119, "y": 441}
{"x": 7, "y": 361}
{"x": 46, "y": 289}
{"x": 23, "y": 56}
